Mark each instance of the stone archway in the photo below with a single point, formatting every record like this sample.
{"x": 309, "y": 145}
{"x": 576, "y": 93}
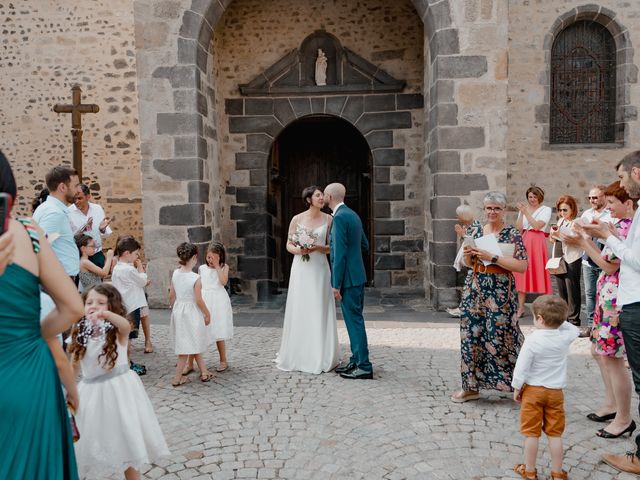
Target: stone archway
{"x": 180, "y": 198}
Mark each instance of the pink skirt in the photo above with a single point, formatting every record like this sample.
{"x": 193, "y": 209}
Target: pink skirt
{"x": 535, "y": 279}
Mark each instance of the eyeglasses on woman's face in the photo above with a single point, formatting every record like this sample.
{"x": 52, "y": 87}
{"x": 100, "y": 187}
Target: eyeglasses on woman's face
{"x": 493, "y": 209}
{"x": 563, "y": 209}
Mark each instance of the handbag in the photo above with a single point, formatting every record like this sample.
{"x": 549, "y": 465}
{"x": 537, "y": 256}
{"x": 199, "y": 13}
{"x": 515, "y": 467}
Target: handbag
{"x": 556, "y": 265}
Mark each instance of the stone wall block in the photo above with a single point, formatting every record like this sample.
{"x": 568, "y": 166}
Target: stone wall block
{"x": 251, "y": 160}
{"x": 416, "y": 245}
{"x": 457, "y": 184}
{"x": 259, "y": 142}
{"x": 301, "y": 106}
{"x": 259, "y": 124}
{"x": 389, "y": 262}
{"x": 254, "y": 224}
{"x": 213, "y": 13}
{"x": 283, "y": 111}
{"x": 453, "y": 138}
{"x": 180, "y": 169}
{"x": 389, "y": 227}
{"x": 334, "y": 105}
{"x": 234, "y": 106}
{"x": 460, "y": 66}
{"x": 164, "y": 240}
{"x": 317, "y": 104}
{"x": 444, "y": 161}
{"x": 409, "y": 101}
{"x": 380, "y": 139}
{"x": 259, "y": 246}
{"x": 202, "y": 105}
{"x": 381, "y": 174}
{"x": 254, "y": 268}
{"x": 388, "y": 192}
{"x": 180, "y": 76}
{"x": 204, "y": 34}
{"x": 444, "y": 207}
{"x": 255, "y": 196}
{"x": 444, "y": 42}
{"x": 353, "y": 108}
{"x": 184, "y": 147}
{"x": 442, "y": 91}
{"x": 443, "y": 230}
{"x": 199, "y": 234}
{"x": 382, "y": 244}
{"x": 381, "y": 279}
{"x": 178, "y": 123}
{"x": 258, "y": 177}
{"x": 198, "y": 192}
{"x": 185, "y": 101}
{"x": 442, "y": 253}
{"x": 258, "y": 106}
{"x": 190, "y": 27}
{"x": 189, "y": 214}
{"x": 446, "y": 275}
{"x": 388, "y": 157}
{"x": 382, "y": 209}
{"x": 383, "y": 121}
{"x": 202, "y": 58}
{"x": 444, "y": 114}
{"x": 187, "y": 51}
{"x": 380, "y": 103}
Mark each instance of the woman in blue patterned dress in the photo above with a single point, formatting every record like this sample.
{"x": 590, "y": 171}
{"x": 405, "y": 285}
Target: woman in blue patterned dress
{"x": 489, "y": 331}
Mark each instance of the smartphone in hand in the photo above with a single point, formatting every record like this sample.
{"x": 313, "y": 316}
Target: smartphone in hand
{"x": 5, "y": 212}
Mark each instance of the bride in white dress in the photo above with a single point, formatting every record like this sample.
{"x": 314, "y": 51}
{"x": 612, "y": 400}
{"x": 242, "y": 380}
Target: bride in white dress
{"x": 309, "y": 334}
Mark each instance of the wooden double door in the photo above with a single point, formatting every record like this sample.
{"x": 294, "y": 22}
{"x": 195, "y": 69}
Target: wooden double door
{"x": 318, "y": 151}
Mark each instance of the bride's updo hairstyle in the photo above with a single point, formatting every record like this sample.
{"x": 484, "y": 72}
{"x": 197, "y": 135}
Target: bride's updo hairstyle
{"x": 186, "y": 251}
{"x": 308, "y": 192}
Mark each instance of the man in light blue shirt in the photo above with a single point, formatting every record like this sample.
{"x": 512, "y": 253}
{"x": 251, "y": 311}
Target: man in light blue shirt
{"x": 53, "y": 217}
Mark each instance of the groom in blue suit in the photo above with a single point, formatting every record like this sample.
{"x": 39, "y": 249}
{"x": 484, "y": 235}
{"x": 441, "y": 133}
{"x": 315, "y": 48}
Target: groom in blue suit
{"x": 348, "y": 277}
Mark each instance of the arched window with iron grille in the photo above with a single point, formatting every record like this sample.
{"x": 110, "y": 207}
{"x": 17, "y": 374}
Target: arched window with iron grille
{"x": 583, "y": 85}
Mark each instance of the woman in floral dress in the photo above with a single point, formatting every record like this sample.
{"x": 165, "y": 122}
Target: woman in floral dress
{"x": 607, "y": 343}
{"x": 489, "y": 331}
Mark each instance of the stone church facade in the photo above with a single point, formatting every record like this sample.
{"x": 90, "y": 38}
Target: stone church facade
{"x": 211, "y": 119}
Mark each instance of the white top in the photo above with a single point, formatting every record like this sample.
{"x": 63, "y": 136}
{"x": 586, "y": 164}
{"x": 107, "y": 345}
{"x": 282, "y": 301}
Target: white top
{"x": 130, "y": 283}
{"x": 542, "y": 213}
{"x": 629, "y": 254}
{"x": 588, "y": 216}
{"x": 183, "y": 285}
{"x": 79, "y": 220}
{"x": 543, "y": 358}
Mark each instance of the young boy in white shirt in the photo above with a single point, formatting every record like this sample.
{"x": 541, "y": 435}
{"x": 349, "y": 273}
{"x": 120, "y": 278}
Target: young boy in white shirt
{"x": 130, "y": 278}
{"x": 538, "y": 379}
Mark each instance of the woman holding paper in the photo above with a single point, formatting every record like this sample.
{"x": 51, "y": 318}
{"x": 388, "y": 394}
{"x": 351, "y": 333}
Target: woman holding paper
{"x": 489, "y": 331}
{"x": 568, "y": 283}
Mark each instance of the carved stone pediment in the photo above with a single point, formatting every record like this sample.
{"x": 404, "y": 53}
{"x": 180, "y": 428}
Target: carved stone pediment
{"x": 346, "y": 72}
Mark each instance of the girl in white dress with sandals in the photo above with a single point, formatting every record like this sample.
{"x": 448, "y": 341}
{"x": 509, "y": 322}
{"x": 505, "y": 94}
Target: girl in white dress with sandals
{"x": 309, "y": 334}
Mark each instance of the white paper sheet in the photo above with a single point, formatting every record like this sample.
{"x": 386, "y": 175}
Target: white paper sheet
{"x": 490, "y": 244}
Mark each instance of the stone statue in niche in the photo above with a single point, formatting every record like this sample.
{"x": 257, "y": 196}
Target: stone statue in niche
{"x": 321, "y": 68}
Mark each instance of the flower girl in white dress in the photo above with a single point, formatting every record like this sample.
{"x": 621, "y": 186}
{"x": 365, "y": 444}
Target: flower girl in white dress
{"x": 215, "y": 275}
{"x": 189, "y": 315}
{"x": 118, "y": 427}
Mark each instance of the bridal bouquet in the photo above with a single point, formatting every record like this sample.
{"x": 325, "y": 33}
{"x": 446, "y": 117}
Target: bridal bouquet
{"x": 303, "y": 238}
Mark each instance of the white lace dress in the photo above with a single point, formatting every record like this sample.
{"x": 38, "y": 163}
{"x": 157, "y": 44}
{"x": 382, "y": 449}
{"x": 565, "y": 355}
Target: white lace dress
{"x": 118, "y": 427}
{"x": 217, "y": 301}
{"x": 189, "y": 334}
{"x": 309, "y": 334}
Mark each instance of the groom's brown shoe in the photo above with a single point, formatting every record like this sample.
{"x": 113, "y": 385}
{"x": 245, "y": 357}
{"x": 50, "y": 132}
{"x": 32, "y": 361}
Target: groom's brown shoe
{"x": 625, "y": 463}
{"x": 358, "y": 374}
{"x": 345, "y": 368}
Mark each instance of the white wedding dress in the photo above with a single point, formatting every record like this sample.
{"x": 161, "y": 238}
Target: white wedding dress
{"x": 309, "y": 334}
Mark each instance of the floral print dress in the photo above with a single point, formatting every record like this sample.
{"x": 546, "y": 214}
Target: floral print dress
{"x": 489, "y": 331}
{"x": 606, "y": 333}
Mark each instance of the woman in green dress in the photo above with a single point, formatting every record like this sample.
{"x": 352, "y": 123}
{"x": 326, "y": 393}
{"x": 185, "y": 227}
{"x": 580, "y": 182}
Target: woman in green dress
{"x": 35, "y": 435}
{"x": 489, "y": 331}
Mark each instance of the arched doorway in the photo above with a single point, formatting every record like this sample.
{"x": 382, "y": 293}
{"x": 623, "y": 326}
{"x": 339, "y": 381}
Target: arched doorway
{"x": 318, "y": 150}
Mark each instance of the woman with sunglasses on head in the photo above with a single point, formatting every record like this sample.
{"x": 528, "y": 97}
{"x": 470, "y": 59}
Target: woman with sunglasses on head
{"x": 533, "y": 223}
{"x": 568, "y": 283}
{"x": 489, "y": 331}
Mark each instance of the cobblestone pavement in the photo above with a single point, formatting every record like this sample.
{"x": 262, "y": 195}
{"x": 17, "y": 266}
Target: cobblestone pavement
{"x": 254, "y": 421}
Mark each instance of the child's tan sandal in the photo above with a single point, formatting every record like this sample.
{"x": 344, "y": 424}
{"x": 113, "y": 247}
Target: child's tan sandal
{"x": 563, "y": 475}
{"x": 521, "y": 469}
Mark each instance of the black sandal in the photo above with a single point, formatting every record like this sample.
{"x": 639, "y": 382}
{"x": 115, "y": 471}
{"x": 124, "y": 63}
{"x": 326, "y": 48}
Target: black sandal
{"x": 594, "y": 417}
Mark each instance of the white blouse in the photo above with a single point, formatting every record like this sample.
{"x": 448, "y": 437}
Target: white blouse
{"x": 542, "y": 213}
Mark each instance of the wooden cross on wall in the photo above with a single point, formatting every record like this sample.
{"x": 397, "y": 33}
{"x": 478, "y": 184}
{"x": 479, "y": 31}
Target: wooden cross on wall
{"x": 76, "y": 109}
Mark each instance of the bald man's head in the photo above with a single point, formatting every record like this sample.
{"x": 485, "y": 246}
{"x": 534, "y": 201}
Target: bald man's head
{"x": 334, "y": 194}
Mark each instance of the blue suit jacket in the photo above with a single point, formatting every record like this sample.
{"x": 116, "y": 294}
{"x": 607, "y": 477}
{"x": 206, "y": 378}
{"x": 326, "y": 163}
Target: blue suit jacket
{"x": 346, "y": 244}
